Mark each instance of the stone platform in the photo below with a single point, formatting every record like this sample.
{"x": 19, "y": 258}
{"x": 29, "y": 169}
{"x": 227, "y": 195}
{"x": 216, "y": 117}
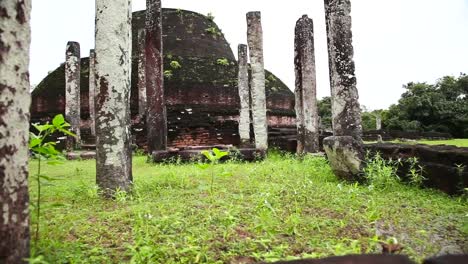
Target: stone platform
{"x": 193, "y": 153}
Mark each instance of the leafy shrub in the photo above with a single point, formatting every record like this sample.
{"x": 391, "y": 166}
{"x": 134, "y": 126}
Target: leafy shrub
{"x": 380, "y": 173}
{"x": 175, "y": 65}
{"x": 168, "y": 74}
{"x": 222, "y": 62}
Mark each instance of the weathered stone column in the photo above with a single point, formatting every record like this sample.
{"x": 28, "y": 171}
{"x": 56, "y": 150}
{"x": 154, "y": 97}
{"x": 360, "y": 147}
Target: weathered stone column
{"x": 113, "y": 71}
{"x": 156, "y": 116}
{"x": 257, "y": 84}
{"x": 344, "y": 149}
{"x": 306, "y": 88}
{"x": 15, "y": 100}
{"x": 72, "y": 92}
{"x": 141, "y": 74}
{"x": 92, "y": 90}
{"x": 244, "y": 95}
{"x": 378, "y": 122}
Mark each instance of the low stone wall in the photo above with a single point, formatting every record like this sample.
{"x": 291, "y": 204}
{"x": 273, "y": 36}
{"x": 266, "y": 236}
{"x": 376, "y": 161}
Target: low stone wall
{"x": 372, "y": 135}
{"x": 444, "y": 167}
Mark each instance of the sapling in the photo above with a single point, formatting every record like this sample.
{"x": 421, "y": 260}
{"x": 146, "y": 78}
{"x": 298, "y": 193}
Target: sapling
{"x": 43, "y": 149}
{"x": 213, "y": 156}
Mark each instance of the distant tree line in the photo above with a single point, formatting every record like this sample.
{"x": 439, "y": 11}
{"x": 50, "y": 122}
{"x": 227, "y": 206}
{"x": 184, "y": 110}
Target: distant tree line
{"x": 439, "y": 107}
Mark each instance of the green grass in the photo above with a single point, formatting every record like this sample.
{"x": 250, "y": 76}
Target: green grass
{"x": 280, "y": 208}
{"x": 462, "y": 142}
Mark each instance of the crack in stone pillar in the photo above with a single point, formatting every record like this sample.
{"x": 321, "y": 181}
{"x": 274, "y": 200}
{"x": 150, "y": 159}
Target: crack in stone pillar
{"x": 255, "y": 41}
{"x": 306, "y": 87}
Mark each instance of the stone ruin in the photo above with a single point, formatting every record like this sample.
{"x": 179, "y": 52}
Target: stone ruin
{"x": 203, "y": 102}
{"x": 200, "y": 82}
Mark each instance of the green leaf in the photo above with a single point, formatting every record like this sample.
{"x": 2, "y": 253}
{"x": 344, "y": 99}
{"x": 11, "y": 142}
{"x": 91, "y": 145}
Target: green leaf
{"x": 42, "y": 128}
{"x": 33, "y": 142}
{"x": 219, "y": 154}
{"x": 208, "y": 155}
{"x": 47, "y": 178}
{"x": 203, "y": 166}
{"x": 58, "y": 121}
{"x": 67, "y": 132}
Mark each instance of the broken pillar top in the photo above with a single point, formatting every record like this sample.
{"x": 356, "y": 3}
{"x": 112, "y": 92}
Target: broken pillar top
{"x": 254, "y": 14}
{"x": 73, "y": 48}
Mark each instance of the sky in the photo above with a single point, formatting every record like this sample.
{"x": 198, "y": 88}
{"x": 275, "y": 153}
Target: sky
{"x": 395, "y": 41}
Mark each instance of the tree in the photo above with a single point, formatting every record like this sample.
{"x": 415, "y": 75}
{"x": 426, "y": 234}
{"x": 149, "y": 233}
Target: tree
{"x": 325, "y": 114}
{"x": 442, "y": 107}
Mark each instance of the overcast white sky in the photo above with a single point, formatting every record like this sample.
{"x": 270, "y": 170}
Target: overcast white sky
{"x": 395, "y": 41}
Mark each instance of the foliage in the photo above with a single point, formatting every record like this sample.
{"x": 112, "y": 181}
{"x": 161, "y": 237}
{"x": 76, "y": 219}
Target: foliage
{"x": 43, "y": 148}
{"x": 213, "y": 31}
{"x": 214, "y": 156}
{"x": 324, "y": 107}
{"x": 168, "y": 74}
{"x": 175, "y": 65}
{"x": 380, "y": 173}
{"x": 223, "y": 62}
{"x": 210, "y": 16}
{"x": 279, "y": 208}
{"x": 442, "y": 107}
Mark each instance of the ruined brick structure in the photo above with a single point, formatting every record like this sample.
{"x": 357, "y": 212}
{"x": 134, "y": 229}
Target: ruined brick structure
{"x": 202, "y": 99}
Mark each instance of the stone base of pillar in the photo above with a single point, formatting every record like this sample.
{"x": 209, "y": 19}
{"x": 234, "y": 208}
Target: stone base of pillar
{"x": 188, "y": 155}
{"x": 346, "y": 156}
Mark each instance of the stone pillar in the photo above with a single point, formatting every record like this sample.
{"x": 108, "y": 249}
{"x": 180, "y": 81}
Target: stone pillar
{"x": 346, "y": 112}
{"x": 344, "y": 150}
{"x": 257, "y": 84}
{"x": 156, "y": 116}
{"x": 141, "y": 74}
{"x": 306, "y": 88}
{"x": 378, "y": 122}
{"x": 92, "y": 91}
{"x": 244, "y": 95}
{"x": 72, "y": 92}
{"x": 113, "y": 72}
{"x": 15, "y": 101}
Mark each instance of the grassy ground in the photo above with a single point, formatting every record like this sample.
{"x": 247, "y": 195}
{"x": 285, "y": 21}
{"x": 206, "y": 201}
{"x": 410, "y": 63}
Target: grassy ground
{"x": 280, "y": 208}
{"x": 462, "y": 142}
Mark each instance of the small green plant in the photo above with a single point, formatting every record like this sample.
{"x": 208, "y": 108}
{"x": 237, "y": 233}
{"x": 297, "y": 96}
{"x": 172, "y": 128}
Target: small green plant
{"x": 213, "y": 156}
{"x": 223, "y": 62}
{"x": 175, "y": 65}
{"x": 415, "y": 172}
{"x": 44, "y": 150}
{"x": 379, "y": 172}
{"x": 213, "y": 31}
{"x": 210, "y": 16}
{"x": 271, "y": 78}
{"x": 168, "y": 74}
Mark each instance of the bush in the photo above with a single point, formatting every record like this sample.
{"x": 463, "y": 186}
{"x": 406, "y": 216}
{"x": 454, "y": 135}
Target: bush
{"x": 379, "y": 172}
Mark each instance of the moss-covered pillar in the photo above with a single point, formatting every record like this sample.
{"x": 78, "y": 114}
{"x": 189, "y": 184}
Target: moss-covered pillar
{"x": 141, "y": 74}
{"x": 72, "y": 92}
{"x": 113, "y": 72}
{"x": 244, "y": 95}
{"x": 255, "y": 41}
{"x": 156, "y": 117}
{"x": 306, "y": 87}
{"x": 92, "y": 91}
{"x": 15, "y": 100}
{"x": 344, "y": 150}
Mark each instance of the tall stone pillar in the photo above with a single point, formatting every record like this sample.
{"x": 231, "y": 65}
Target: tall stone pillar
{"x": 92, "y": 90}
{"x": 378, "y": 122}
{"x": 15, "y": 101}
{"x": 257, "y": 84}
{"x": 306, "y": 88}
{"x": 244, "y": 95}
{"x": 156, "y": 117}
{"x": 72, "y": 92}
{"x": 141, "y": 74}
{"x": 344, "y": 150}
{"x": 113, "y": 72}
